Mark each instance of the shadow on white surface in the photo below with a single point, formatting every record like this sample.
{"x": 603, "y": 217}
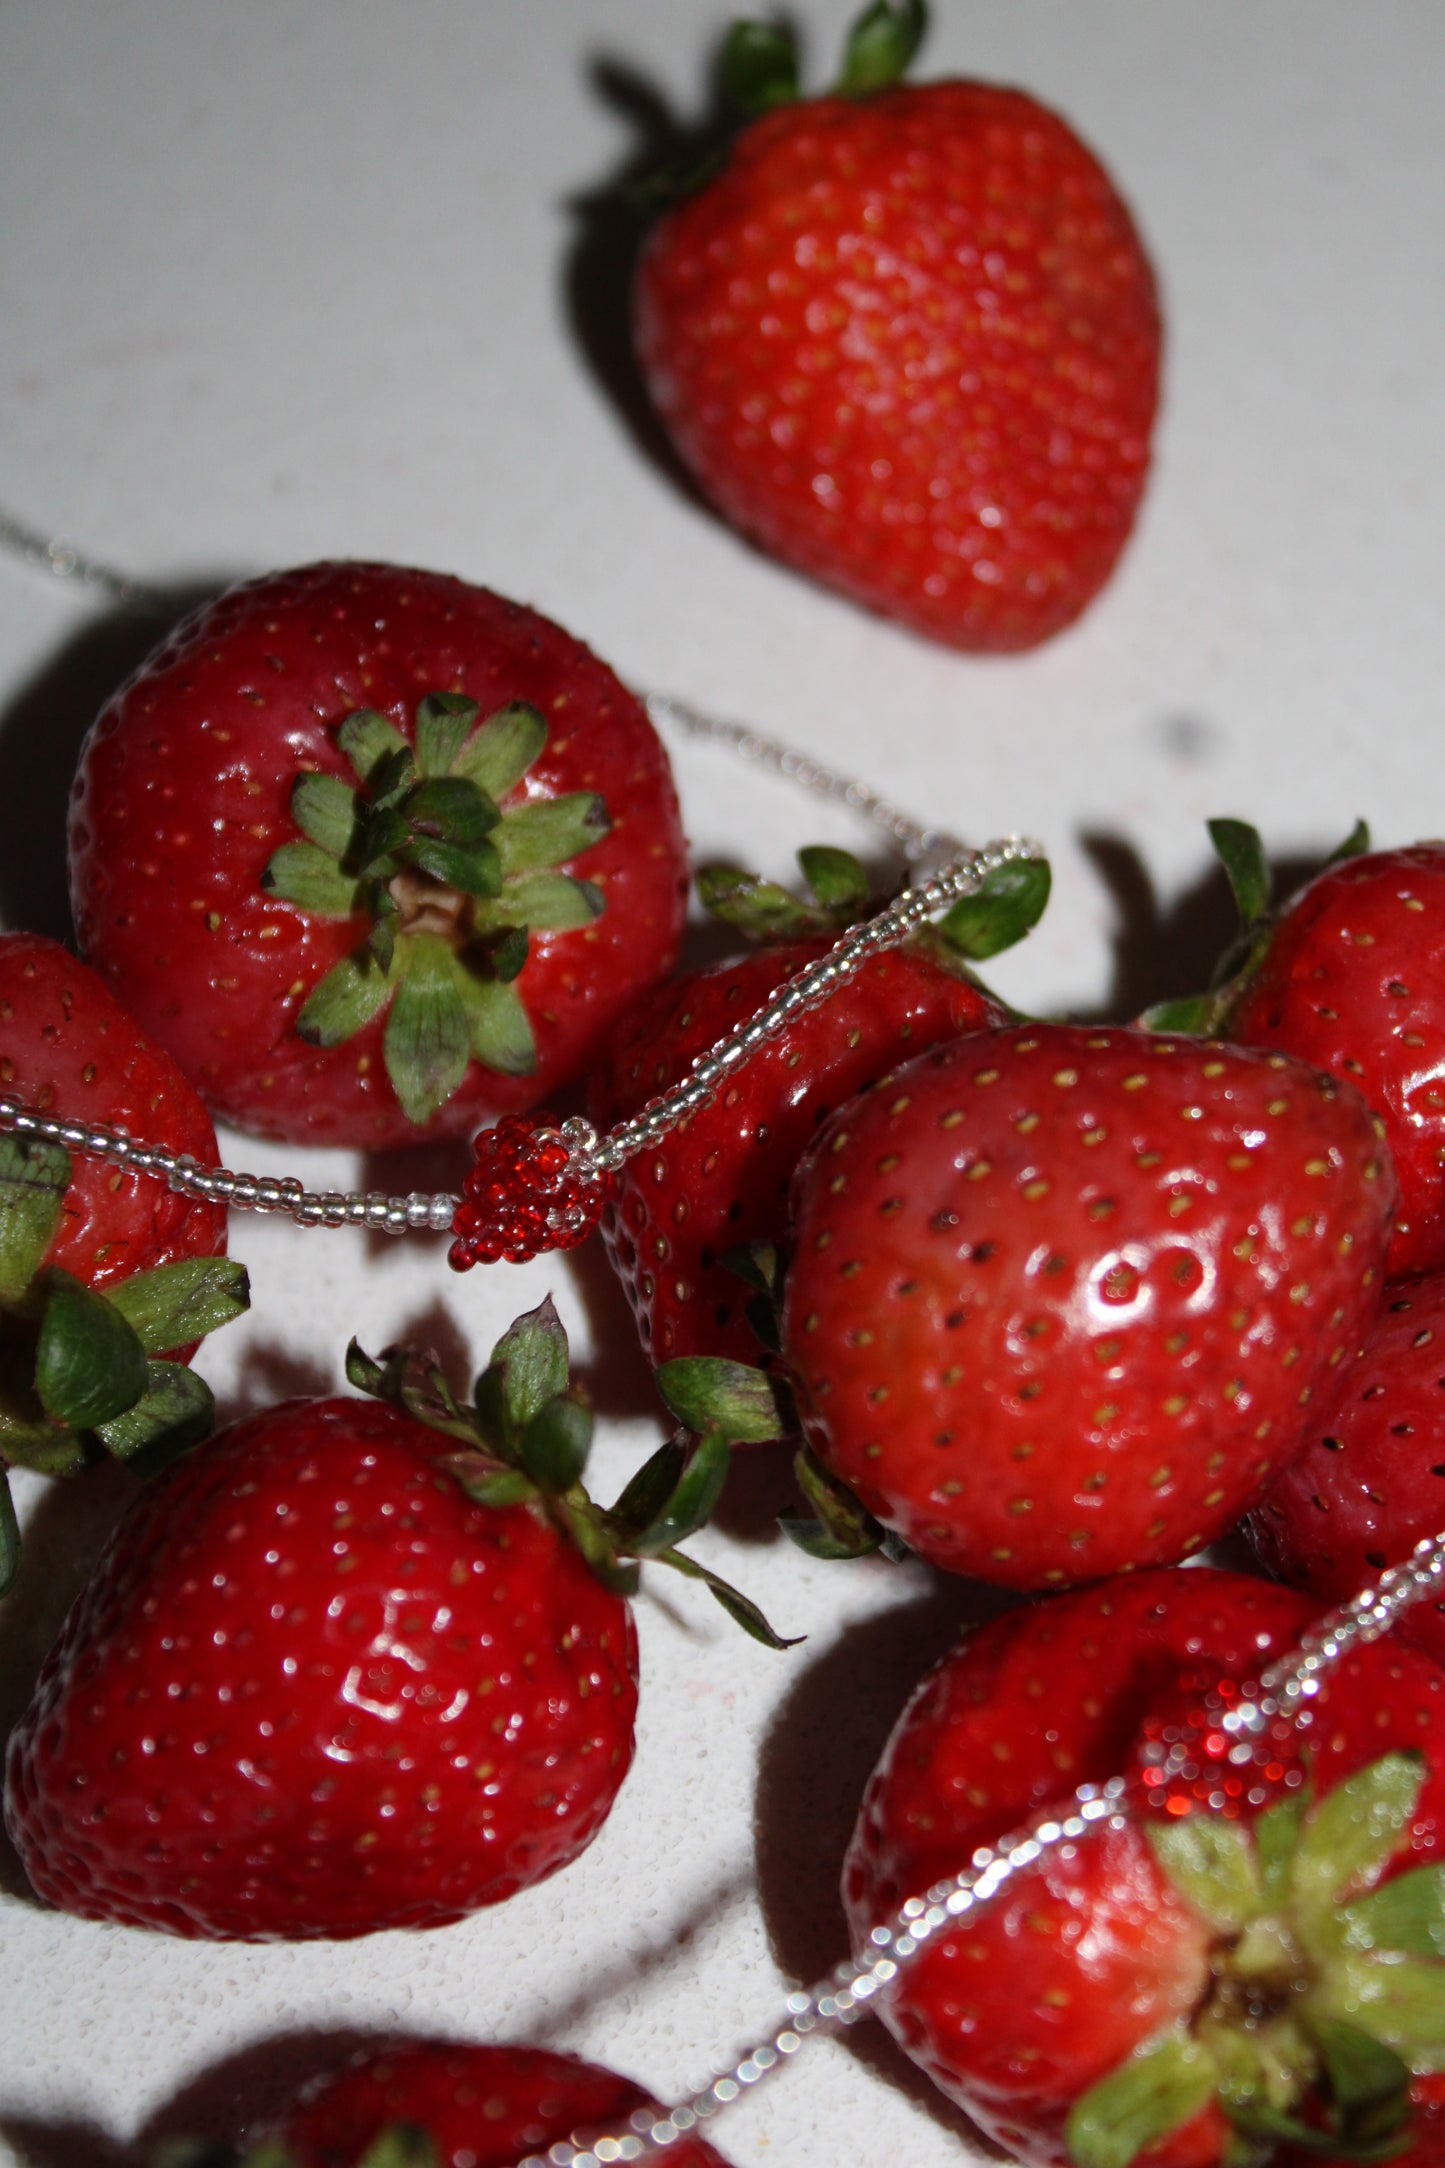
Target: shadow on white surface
{"x": 41, "y": 729}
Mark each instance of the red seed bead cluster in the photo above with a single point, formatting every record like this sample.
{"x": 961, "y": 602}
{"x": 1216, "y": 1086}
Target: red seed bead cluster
{"x": 523, "y": 1196}
{"x": 1190, "y": 1756}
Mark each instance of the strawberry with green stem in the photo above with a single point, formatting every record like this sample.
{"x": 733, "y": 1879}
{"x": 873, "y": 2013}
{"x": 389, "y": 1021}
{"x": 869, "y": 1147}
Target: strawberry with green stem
{"x": 376, "y": 854}
{"x": 1349, "y": 974}
{"x": 906, "y": 337}
{"x": 423, "y": 2103}
{"x": 1195, "y": 1988}
{"x": 697, "y": 1221}
{"x": 1062, "y": 1301}
{"x": 107, "y": 1278}
{"x": 354, "y": 1663}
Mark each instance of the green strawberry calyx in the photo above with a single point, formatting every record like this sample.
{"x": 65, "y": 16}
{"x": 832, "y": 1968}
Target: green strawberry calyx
{"x": 1007, "y": 905}
{"x": 760, "y": 59}
{"x": 1240, "y": 851}
{"x": 715, "y": 1396}
{"x": 524, "y": 1440}
{"x": 451, "y": 887}
{"x": 1327, "y": 1986}
{"x": 83, "y": 1374}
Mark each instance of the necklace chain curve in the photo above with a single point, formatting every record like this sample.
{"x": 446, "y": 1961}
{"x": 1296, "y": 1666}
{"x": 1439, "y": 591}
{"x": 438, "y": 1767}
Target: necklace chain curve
{"x": 519, "y": 1181}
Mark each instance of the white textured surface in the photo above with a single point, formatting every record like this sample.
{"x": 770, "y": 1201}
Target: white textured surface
{"x": 285, "y": 280}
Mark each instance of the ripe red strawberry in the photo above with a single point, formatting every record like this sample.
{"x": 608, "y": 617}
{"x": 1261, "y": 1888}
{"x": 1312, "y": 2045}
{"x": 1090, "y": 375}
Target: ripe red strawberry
{"x": 107, "y": 1279}
{"x": 1187, "y": 1990}
{"x": 908, "y": 340}
{"x": 352, "y": 1665}
{"x": 67, "y": 1047}
{"x": 314, "y": 1689}
{"x": 719, "y": 1181}
{"x": 1062, "y": 1300}
{"x": 1370, "y": 1483}
{"x": 1352, "y": 978}
{"x": 479, "y": 2107}
{"x": 375, "y": 854}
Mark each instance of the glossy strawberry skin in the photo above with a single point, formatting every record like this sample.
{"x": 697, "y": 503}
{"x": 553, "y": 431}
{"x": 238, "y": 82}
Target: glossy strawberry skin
{"x": 184, "y": 794}
{"x": 910, "y": 345}
{"x": 720, "y": 1179}
{"x": 1061, "y": 1300}
{"x": 1371, "y": 1484}
{"x": 68, "y": 1048}
{"x": 313, "y": 1690}
{"x": 1019, "y": 2011}
{"x": 481, "y": 2106}
{"x": 1353, "y": 980}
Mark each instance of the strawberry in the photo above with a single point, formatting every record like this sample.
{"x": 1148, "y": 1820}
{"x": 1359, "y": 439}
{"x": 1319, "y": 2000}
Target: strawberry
{"x": 459, "y": 2106}
{"x": 719, "y": 1182}
{"x": 1349, "y": 974}
{"x": 352, "y": 1664}
{"x": 107, "y": 1279}
{"x": 907, "y": 339}
{"x": 1370, "y": 1483}
{"x": 1193, "y": 1988}
{"x": 375, "y": 854}
{"x": 1062, "y": 1300}
{"x": 68, "y": 1048}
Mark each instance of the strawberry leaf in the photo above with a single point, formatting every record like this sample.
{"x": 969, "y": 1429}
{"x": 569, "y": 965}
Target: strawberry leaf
{"x": 648, "y": 1490}
{"x": 1407, "y": 1913}
{"x": 709, "y": 1392}
{"x": 444, "y": 721}
{"x": 692, "y": 1499}
{"x": 450, "y": 807}
{"x": 1241, "y": 853}
{"x": 881, "y": 46}
{"x": 550, "y": 830}
{"x": 1399, "y": 2000}
{"x": 44, "y": 1448}
{"x": 368, "y": 740}
{"x": 1189, "y": 1013}
{"x": 174, "y": 1304}
{"x": 741, "y": 1609}
{"x": 401, "y": 2145}
{"x": 1276, "y": 1834}
{"x": 839, "y": 884}
{"x": 759, "y": 67}
{"x": 488, "y": 1484}
{"x": 763, "y": 910}
{"x": 500, "y": 1028}
{"x": 552, "y": 902}
{"x": 594, "y": 1540}
{"x": 1009, "y": 903}
{"x": 1158, "y": 2089}
{"x": 1369, "y": 2083}
{"x": 1349, "y": 1837}
{"x": 1355, "y": 844}
{"x": 474, "y": 868}
{"x": 174, "y": 1413}
{"x": 327, "y": 811}
{"x": 844, "y": 1528}
{"x": 33, "y": 1181}
{"x": 89, "y": 1364}
{"x": 348, "y": 997}
{"x": 427, "y": 1042}
{"x": 502, "y": 749}
{"x": 529, "y": 1364}
{"x": 1212, "y": 1863}
{"x": 309, "y": 877}
{"x": 555, "y": 1443}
